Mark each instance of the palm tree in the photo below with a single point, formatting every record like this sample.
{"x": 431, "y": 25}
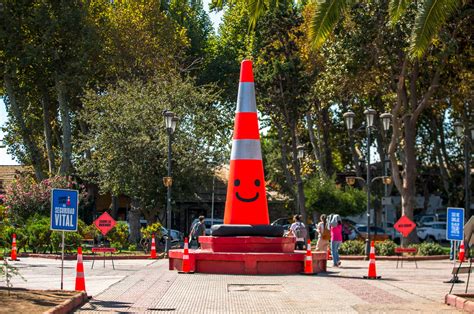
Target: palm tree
{"x": 431, "y": 15}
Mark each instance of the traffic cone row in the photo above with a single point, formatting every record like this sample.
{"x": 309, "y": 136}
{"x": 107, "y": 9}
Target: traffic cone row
{"x": 372, "y": 269}
{"x": 462, "y": 252}
{"x": 80, "y": 279}
{"x": 186, "y": 269}
{"x": 13, "y": 253}
{"x": 153, "y": 247}
{"x": 308, "y": 261}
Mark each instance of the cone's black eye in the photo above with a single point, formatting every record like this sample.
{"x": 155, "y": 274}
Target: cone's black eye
{"x": 257, "y": 182}
{"x": 237, "y": 182}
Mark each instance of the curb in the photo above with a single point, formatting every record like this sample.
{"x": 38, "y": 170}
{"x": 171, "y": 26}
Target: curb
{"x": 458, "y": 301}
{"x": 394, "y": 258}
{"x": 98, "y": 257}
{"x": 70, "y": 305}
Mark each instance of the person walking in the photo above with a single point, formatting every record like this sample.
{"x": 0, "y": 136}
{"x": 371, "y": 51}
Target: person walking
{"x": 324, "y": 235}
{"x": 336, "y": 240}
{"x": 199, "y": 229}
{"x": 298, "y": 230}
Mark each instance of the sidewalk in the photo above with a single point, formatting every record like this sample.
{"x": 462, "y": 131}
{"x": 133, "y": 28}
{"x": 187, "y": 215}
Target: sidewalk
{"x": 342, "y": 290}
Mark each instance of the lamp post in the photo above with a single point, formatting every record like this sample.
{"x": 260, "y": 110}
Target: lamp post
{"x": 170, "y": 124}
{"x": 467, "y": 136}
{"x": 370, "y": 116}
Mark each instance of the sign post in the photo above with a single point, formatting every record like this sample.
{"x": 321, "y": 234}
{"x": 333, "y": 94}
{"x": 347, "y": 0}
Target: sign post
{"x": 64, "y": 215}
{"x": 455, "y": 233}
{"x": 404, "y": 225}
{"x": 104, "y": 223}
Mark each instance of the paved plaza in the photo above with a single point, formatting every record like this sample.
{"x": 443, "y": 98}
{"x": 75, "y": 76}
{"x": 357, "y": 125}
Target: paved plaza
{"x": 148, "y": 286}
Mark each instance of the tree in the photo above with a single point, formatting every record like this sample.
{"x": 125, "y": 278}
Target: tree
{"x": 128, "y": 144}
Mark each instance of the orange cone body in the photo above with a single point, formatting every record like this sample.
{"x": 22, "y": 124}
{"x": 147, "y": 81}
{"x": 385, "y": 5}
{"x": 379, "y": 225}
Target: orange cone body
{"x": 186, "y": 263}
{"x": 329, "y": 257}
{"x": 80, "y": 279}
{"x": 461, "y": 252}
{"x": 372, "y": 269}
{"x": 153, "y": 247}
{"x": 308, "y": 261}
{"x": 13, "y": 253}
{"x": 246, "y": 201}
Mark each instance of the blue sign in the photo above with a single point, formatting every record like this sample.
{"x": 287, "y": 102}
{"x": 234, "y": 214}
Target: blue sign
{"x": 64, "y": 209}
{"x": 455, "y": 224}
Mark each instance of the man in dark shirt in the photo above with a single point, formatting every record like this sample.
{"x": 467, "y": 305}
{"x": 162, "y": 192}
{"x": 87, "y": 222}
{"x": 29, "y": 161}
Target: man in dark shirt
{"x": 199, "y": 229}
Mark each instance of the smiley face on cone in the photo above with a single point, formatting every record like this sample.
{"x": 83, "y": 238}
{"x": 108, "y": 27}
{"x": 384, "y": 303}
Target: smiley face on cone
{"x": 246, "y": 201}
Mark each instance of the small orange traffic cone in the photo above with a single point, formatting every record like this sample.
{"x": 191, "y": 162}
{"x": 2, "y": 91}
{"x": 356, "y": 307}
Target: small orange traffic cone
{"x": 186, "y": 269}
{"x": 308, "y": 260}
{"x": 153, "y": 247}
{"x": 372, "y": 271}
{"x": 13, "y": 253}
{"x": 80, "y": 279}
{"x": 461, "y": 252}
{"x": 329, "y": 257}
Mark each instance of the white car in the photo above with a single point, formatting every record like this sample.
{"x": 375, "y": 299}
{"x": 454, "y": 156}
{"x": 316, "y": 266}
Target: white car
{"x": 432, "y": 232}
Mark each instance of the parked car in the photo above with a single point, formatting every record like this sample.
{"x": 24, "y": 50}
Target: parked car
{"x": 209, "y": 223}
{"x": 432, "y": 232}
{"x": 282, "y": 221}
{"x": 376, "y": 233}
{"x": 426, "y": 219}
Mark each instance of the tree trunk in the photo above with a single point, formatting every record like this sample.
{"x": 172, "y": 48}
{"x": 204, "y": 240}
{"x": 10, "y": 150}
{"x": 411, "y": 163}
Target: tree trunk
{"x": 299, "y": 180}
{"x": 326, "y": 124}
{"x": 284, "y": 160}
{"x": 66, "y": 128}
{"x": 32, "y": 149}
{"x": 48, "y": 132}
{"x": 312, "y": 139}
{"x": 114, "y": 207}
{"x": 134, "y": 221}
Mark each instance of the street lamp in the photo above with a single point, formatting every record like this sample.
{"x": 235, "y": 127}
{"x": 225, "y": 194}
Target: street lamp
{"x": 464, "y": 136}
{"x": 170, "y": 124}
{"x": 370, "y": 115}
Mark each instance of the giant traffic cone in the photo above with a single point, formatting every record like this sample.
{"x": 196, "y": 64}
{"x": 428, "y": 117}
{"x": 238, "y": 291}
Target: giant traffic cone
{"x": 13, "y": 253}
{"x": 80, "y": 279}
{"x": 186, "y": 269}
{"x": 461, "y": 252}
{"x": 308, "y": 260}
{"x": 153, "y": 247}
{"x": 246, "y": 201}
{"x": 372, "y": 271}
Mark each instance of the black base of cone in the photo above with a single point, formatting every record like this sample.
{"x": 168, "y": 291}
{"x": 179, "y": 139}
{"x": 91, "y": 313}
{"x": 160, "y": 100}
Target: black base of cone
{"x": 367, "y": 277}
{"x": 14, "y": 260}
{"x": 183, "y": 272}
{"x": 308, "y": 274}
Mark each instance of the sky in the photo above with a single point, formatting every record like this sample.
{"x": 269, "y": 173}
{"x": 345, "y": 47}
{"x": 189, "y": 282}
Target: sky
{"x": 215, "y": 17}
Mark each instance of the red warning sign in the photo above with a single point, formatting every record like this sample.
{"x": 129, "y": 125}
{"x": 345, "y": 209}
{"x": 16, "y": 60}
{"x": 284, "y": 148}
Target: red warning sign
{"x": 405, "y": 226}
{"x": 105, "y": 223}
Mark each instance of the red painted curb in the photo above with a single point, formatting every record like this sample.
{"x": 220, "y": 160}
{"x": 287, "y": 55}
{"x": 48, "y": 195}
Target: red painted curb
{"x": 394, "y": 258}
{"x": 70, "y": 305}
{"x": 98, "y": 257}
{"x": 458, "y": 301}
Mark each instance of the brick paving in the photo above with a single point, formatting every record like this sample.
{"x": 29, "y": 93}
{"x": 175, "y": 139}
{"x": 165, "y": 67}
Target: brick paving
{"x": 155, "y": 289}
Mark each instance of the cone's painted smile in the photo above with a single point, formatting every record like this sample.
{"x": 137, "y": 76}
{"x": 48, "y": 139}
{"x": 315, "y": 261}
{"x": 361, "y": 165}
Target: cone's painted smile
{"x": 247, "y": 200}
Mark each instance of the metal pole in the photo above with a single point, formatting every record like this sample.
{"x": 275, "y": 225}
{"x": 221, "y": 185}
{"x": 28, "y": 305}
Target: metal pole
{"x": 168, "y": 196}
{"x": 367, "y": 240}
{"x": 62, "y": 261}
{"x": 467, "y": 174}
{"x": 212, "y": 204}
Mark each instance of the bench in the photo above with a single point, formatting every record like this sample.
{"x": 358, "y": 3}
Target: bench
{"x": 400, "y": 250}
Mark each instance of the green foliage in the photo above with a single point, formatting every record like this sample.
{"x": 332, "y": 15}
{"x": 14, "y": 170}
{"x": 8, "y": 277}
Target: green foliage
{"x": 8, "y": 271}
{"x": 352, "y": 247}
{"x": 325, "y": 197}
{"x": 385, "y": 248}
{"x": 326, "y": 15}
{"x": 149, "y": 230}
{"x": 39, "y": 233}
{"x": 25, "y": 196}
{"x": 132, "y": 247}
{"x": 428, "y": 249}
{"x": 118, "y": 236}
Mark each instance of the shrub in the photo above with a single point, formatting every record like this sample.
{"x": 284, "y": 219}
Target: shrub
{"x": 38, "y": 233}
{"x": 352, "y": 247}
{"x": 150, "y": 230}
{"x": 132, "y": 247}
{"x": 118, "y": 236}
{"x": 428, "y": 249}
{"x": 385, "y": 248}
{"x": 6, "y": 235}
